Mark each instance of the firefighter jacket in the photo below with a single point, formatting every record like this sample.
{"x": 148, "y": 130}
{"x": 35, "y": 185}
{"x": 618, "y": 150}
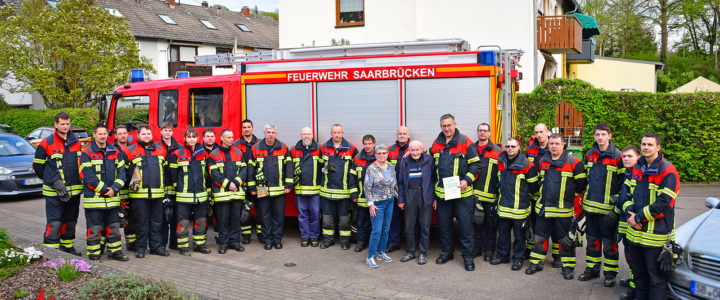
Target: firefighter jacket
{"x": 124, "y": 192}
{"x": 518, "y": 179}
{"x": 309, "y": 163}
{"x": 362, "y": 162}
{"x": 486, "y": 188}
{"x": 101, "y": 170}
{"x": 169, "y": 149}
{"x": 246, "y": 147}
{"x": 227, "y": 166}
{"x": 340, "y": 180}
{"x": 396, "y": 153}
{"x": 274, "y": 165}
{"x": 57, "y": 159}
{"x": 535, "y": 151}
{"x": 623, "y": 197}
{"x": 560, "y": 181}
{"x": 456, "y": 157}
{"x": 653, "y": 190}
{"x": 187, "y": 173}
{"x": 150, "y": 165}
{"x": 208, "y": 175}
{"x": 605, "y": 176}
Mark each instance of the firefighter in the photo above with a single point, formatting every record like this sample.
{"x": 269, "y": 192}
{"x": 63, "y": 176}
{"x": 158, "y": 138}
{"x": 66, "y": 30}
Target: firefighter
{"x": 103, "y": 175}
{"x": 603, "y": 163}
{"x": 126, "y": 219}
{"x": 562, "y": 178}
{"x": 209, "y": 143}
{"x": 362, "y": 161}
{"x": 245, "y": 144}
{"x": 56, "y": 163}
{"x": 485, "y": 189}
{"x": 396, "y": 152}
{"x": 187, "y": 173}
{"x": 270, "y": 178}
{"x": 455, "y": 156}
{"x": 169, "y": 144}
{"x": 308, "y": 164}
{"x": 145, "y": 168}
{"x": 339, "y": 188}
{"x": 650, "y": 209}
{"x": 517, "y": 181}
{"x": 229, "y": 173}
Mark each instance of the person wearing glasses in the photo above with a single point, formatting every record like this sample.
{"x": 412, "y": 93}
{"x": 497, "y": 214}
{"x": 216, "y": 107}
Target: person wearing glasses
{"x": 380, "y": 187}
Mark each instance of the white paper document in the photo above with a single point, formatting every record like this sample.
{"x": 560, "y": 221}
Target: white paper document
{"x": 452, "y": 187}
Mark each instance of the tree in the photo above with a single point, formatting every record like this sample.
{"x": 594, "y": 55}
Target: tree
{"x": 662, "y": 12}
{"x": 69, "y": 55}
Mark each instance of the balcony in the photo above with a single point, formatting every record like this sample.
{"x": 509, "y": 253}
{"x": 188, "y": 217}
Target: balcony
{"x": 195, "y": 70}
{"x": 559, "y": 34}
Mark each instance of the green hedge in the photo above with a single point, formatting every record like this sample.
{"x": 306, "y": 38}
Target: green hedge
{"x": 689, "y": 124}
{"x": 25, "y": 121}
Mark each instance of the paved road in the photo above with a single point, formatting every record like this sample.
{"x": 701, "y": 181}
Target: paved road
{"x": 333, "y": 273}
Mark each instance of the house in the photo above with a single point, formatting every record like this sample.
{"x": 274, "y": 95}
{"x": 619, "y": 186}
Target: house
{"x": 546, "y": 30}
{"x": 700, "y": 84}
{"x": 618, "y": 74}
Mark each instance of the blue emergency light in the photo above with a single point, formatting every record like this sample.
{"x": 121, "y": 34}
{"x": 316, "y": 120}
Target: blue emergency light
{"x": 137, "y": 75}
{"x": 182, "y": 74}
{"x": 487, "y": 58}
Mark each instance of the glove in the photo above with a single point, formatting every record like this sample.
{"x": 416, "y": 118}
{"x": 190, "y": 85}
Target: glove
{"x": 167, "y": 209}
{"x": 134, "y": 184}
{"x": 670, "y": 257}
{"x": 296, "y": 174}
{"x": 245, "y": 215}
{"x": 62, "y": 192}
{"x": 611, "y": 219}
{"x": 568, "y": 241}
{"x": 527, "y": 230}
{"x": 479, "y": 216}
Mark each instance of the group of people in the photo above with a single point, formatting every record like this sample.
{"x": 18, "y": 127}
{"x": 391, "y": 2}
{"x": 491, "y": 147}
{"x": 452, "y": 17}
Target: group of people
{"x": 508, "y": 205}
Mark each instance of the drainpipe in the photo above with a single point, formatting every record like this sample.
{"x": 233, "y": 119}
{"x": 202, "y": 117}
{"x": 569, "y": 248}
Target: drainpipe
{"x": 536, "y": 78}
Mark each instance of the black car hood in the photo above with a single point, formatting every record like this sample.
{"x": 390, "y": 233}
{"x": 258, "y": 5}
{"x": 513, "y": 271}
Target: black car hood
{"x": 17, "y": 162}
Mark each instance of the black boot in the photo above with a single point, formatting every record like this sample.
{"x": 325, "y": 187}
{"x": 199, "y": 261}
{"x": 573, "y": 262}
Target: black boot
{"x": 202, "y": 249}
{"x": 360, "y": 246}
{"x": 590, "y": 273}
{"x": 118, "y": 255}
{"x": 568, "y": 273}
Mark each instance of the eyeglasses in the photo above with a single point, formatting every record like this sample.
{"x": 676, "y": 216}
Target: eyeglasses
{"x": 483, "y": 130}
{"x": 511, "y": 146}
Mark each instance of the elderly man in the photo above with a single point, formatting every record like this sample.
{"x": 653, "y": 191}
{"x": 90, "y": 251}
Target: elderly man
{"x": 308, "y": 164}
{"x": 415, "y": 198}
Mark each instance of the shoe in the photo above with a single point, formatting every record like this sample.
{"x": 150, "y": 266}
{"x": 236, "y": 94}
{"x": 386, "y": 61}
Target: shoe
{"x": 422, "y": 259}
{"x": 516, "y": 266}
{"x": 304, "y": 243}
{"x": 488, "y": 258}
{"x": 498, "y": 261}
{"x": 202, "y": 249}
{"x": 245, "y": 239}
{"x": 609, "y": 281}
{"x": 326, "y": 244}
{"x": 185, "y": 251}
{"x": 407, "y": 257}
{"x": 140, "y": 254}
{"x": 222, "y": 250}
{"x": 237, "y": 247}
{"x": 392, "y": 248}
{"x": 443, "y": 258}
{"x": 118, "y": 255}
{"x": 360, "y": 246}
{"x": 71, "y": 250}
{"x": 383, "y": 257}
{"x": 557, "y": 264}
{"x": 469, "y": 265}
{"x": 261, "y": 239}
{"x": 130, "y": 247}
{"x": 625, "y": 282}
{"x": 371, "y": 262}
{"x": 278, "y": 245}
{"x": 95, "y": 258}
{"x": 314, "y": 242}
{"x": 533, "y": 268}
{"x": 268, "y": 246}
{"x": 589, "y": 274}
{"x": 568, "y": 273}
{"x": 628, "y": 295}
{"x": 160, "y": 252}
{"x": 344, "y": 246}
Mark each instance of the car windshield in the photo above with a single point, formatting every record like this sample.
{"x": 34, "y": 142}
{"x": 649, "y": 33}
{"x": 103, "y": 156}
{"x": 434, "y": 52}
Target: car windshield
{"x": 15, "y": 145}
{"x": 81, "y": 134}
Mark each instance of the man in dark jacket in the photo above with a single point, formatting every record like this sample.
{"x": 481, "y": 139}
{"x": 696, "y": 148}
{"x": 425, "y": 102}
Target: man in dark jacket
{"x": 395, "y": 154}
{"x": 415, "y": 198}
{"x": 169, "y": 144}
{"x": 245, "y": 144}
{"x": 362, "y": 161}
{"x": 308, "y": 163}
{"x": 485, "y": 189}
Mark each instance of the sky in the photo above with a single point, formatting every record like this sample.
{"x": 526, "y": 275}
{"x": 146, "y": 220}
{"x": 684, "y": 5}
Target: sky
{"x": 236, "y": 5}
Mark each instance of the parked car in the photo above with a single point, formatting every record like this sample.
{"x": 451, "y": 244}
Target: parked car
{"x": 698, "y": 277}
{"x": 37, "y": 135}
{"x": 16, "y": 173}
{"x": 4, "y": 128}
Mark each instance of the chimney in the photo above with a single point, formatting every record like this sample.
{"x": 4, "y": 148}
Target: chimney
{"x": 245, "y": 11}
{"x": 205, "y": 4}
{"x": 171, "y": 3}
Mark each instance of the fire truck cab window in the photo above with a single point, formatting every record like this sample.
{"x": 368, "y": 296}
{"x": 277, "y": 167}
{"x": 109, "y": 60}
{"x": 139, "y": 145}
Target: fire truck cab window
{"x": 132, "y": 111}
{"x": 205, "y": 107}
{"x": 167, "y": 107}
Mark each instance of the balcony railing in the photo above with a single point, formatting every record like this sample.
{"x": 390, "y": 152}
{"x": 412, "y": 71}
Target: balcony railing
{"x": 559, "y": 34}
{"x": 195, "y": 70}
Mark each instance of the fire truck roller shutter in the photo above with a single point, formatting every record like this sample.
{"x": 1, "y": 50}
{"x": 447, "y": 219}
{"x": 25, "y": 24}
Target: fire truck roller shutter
{"x": 362, "y": 107}
{"x": 287, "y": 105}
{"x": 466, "y": 98}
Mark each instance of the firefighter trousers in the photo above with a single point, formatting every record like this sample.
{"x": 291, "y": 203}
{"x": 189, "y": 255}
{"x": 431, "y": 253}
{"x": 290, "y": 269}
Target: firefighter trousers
{"x": 61, "y": 220}
{"x": 99, "y": 222}
{"x": 649, "y": 281}
{"x": 396, "y": 226}
{"x": 253, "y": 220}
{"x": 486, "y": 232}
{"x": 463, "y": 208}
{"x": 336, "y": 208}
{"x": 129, "y": 227}
{"x": 530, "y": 243}
{"x": 508, "y": 228}
{"x": 184, "y": 211}
{"x": 555, "y": 228}
{"x": 601, "y": 241}
{"x": 272, "y": 212}
{"x": 363, "y": 224}
{"x": 167, "y": 229}
{"x": 228, "y": 222}
{"x": 148, "y": 217}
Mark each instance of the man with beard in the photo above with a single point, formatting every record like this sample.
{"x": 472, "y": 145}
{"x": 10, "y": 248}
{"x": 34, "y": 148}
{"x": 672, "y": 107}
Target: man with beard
{"x": 308, "y": 163}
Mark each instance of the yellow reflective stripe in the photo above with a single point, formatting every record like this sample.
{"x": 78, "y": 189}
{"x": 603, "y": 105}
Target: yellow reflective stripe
{"x": 472, "y": 160}
{"x": 513, "y": 213}
{"x": 39, "y": 160}
{"x": 669, "y": 192}
{"x": 120, "y": 182}
{"x": 99, "y": 186}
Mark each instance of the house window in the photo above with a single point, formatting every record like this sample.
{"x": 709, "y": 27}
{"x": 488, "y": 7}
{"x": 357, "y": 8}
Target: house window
{"x": 167, "y": 19}
{"x": 349, "y": 13}
{"x": 205, "y": 107}
{"x": 243, "y": 27}
{"x": 208, "y": 24}
{"x": 167, "y": 108}
{"x": 182, "y": 53}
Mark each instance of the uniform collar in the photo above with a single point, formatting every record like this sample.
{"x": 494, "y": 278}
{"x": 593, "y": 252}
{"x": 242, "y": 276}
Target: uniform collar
{"x": 344, "y": 145}
{"x": 299, "y": 145}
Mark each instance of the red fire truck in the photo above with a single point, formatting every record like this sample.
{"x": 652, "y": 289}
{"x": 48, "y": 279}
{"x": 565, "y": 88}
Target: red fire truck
{"x": 369, "y": 89}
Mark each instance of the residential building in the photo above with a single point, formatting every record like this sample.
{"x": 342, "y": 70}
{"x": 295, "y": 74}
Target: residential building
{"x": 618, "y": 74}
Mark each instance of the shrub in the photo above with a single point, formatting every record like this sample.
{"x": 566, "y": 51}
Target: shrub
{"x": 129, "y": 286}
{"x": 26, "y": 120}
{"x": 4, "y": 240}
{"x": 69, "y": 269}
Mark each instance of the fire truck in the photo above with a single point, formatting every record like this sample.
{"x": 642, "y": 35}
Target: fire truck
{"x": 368, "y": 88}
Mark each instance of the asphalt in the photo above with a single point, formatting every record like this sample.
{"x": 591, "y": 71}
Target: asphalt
{"x": 296, "y": 272}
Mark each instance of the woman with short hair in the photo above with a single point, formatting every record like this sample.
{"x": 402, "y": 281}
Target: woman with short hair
{"x": 380, "y": 188}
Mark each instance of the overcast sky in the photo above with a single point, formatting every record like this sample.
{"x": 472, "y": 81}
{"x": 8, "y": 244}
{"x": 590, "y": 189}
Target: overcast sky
{"x": 264, "y": 5}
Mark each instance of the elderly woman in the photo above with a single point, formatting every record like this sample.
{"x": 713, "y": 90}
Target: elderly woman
{"x": 380, "y": 188}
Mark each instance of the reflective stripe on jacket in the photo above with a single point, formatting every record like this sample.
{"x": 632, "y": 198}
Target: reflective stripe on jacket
{"x": 396, "y": 152}
{"x": 227, "y": 166}
{"x": 560, "y": 181}
{"x": 57, "y": 159}
{"x": 517, "y": 180}
{"x": 310, "y": 163}
{"x": 485, "y": 186}
{"x": 150, "y": 163}
{"x": 605, "y": 177}
{"x": 187, "y": 173}
{"x": 342, "y": 182}
{"x": 276, "y": 165}
{"x": 362, "y": 162}
{"x": 101, "y": 170}
{"x": 456, "y": 157}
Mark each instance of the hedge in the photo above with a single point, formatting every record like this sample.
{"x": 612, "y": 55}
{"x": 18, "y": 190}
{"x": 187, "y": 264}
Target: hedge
{"x": 689, "y": 124}
{"x": 25, "y": 121}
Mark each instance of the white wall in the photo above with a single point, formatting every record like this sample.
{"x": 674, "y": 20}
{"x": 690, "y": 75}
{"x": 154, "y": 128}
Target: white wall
{"x": 14, "y": 99}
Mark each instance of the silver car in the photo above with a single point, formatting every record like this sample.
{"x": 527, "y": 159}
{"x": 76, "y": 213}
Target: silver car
{"x": 698, "y": 277}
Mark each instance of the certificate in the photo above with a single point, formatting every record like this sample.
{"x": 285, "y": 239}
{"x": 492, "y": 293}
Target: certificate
{"x": 452, "y": 187}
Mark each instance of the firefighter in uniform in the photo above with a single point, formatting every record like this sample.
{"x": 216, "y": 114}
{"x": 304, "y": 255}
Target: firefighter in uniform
{"x": 229, "y": 174}
{"x": 208, "y": 136}
{"x": 271, "y": 177}
{"x": 245, "y": 144}
{"x": 362, "y": 161}
{"x": 603, "y": 163}
{"x": 56, "y": 163}
{"x": 169, "y": 144}
{"x": 126, "y": 219}
{"x": 455, "y": 155}
{"x": 146, "y": 169}
{"x": 103, "y": 175}
{"x": 308, "y": 164}
{"x": 486, "y": 189}
{"x": 650, "y": 208}
{"x": 518, "y": 179}
{"x": 396, "y": 152}
{"x": 562, "y": 178}
{"x": 187, "y": 173}
{"x": 339, "y": 188}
